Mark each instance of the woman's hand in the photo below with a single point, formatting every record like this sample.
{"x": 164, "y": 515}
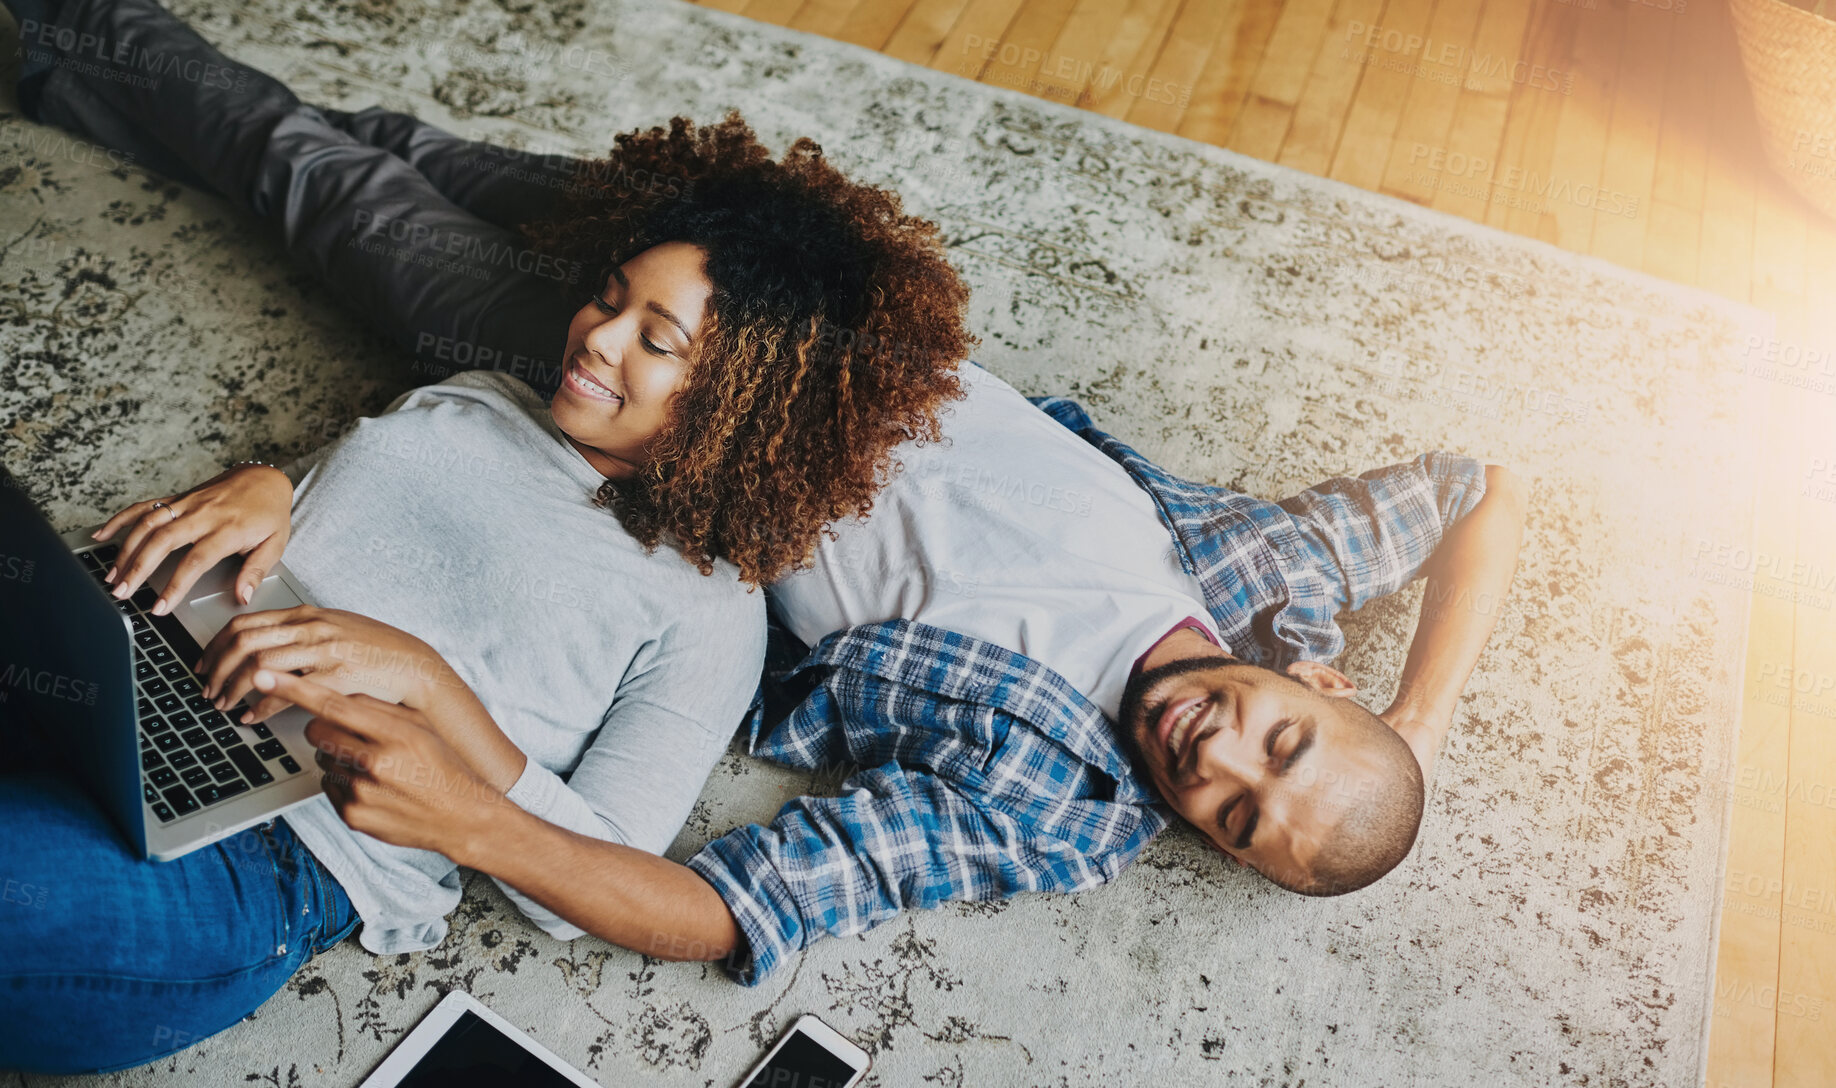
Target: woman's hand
{"x": 388, "y": 772}
{"x": 341, "y": 650}
{"x": 354, "y": 654}
{"x": 245, "y": 510}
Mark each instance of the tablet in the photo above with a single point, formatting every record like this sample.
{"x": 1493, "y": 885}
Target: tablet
{"x": 461, "y": 1044}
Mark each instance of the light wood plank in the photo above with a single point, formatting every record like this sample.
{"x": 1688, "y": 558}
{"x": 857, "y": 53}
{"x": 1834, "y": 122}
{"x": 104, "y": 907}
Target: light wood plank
{"x": 1673, "y": 236}
{"x": 1446, "y": 58}
{"x": 1679, "y": 179}
{"x": 919, "y": 35}
{"x": 1294, "y": 42}
{"x": 963, "y": 49}
{"x": 1280, "y": 76}
{"x": 775, "y": 12}
{"x": 1165, "y": 90}
{"x": 1501, "y": 35}
{"x": 1623, "y": 200}
{"x": 1742, "y": 1036}
{"x": 1319, "y": 116}
{"x": 1025, "y": 51}
{"x": 1221, "y": 89}
{"x": 1779, "y": 225}
{"x": 1080, "y": 45}
{"x": 1748, "y": 953}
{"x": 1742, "y": 1032}
{"x": 1805, "y": 1056}
{"x": 1138, "y": 39}
{"x": 824, "y": 17}
{"x": 1731, "y": 169}
{"x": 872, "y": 22}
{"x": 1261, "y": 127}
{"x": 1688, "y": 113}
{"x": 1370, "y": 125}
{"x": 1535, "y": 115}
{"x": 1580, "y": 139}
{"x": 1483, "y": 106}
{"x": 1778, "y": 261}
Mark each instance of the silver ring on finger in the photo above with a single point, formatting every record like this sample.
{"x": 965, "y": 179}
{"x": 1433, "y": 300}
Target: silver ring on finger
{"x": 167, "y": 507}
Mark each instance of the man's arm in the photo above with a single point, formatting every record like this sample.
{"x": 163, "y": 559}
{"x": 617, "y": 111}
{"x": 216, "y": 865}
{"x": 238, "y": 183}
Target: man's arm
{"x": 1468, "y": 578}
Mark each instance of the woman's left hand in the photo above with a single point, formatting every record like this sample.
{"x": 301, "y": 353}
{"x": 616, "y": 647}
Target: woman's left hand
{"x": 346, "y": 652}
{"x": 388, "y": 772}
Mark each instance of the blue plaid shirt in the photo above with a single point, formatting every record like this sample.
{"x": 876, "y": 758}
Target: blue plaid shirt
{"x": 983, "y": 772}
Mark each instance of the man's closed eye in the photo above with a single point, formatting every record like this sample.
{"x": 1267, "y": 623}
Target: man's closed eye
{"x": 1229, "y": 808}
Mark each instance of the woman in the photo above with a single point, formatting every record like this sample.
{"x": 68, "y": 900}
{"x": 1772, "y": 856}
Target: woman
{"x": 721, "y": 389}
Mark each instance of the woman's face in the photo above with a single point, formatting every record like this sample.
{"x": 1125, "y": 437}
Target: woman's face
{"x": 627, "y": 355}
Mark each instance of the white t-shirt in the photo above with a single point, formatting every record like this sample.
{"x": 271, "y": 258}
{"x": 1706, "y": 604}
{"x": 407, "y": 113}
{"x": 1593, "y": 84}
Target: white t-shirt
{"x": 1012, "y": 530}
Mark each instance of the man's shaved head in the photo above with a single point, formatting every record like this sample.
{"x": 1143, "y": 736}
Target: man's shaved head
{"x": 1377, "y": 829}
{"x": 1282, "y": 771}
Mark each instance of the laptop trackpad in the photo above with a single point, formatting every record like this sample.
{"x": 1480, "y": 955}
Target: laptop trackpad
{"x": 210, "y": 613}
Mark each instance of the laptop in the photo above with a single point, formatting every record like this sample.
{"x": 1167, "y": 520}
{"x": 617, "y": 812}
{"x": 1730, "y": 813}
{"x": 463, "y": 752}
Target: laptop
{"x": 110, "y": 687}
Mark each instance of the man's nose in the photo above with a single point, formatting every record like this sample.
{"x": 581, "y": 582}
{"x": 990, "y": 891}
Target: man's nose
{"x": 1229, "y": 756}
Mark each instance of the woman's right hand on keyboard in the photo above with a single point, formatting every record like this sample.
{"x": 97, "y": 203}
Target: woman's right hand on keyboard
{"x": 245, "y": 510}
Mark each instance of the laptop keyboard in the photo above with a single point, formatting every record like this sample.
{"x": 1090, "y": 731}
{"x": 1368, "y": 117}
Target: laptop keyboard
{"x": 191, "y": 755}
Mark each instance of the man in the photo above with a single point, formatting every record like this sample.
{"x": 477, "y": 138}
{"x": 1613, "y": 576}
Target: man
{"x": 1029, "y": 669}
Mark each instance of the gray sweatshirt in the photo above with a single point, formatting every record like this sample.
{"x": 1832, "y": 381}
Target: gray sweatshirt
{"x": 462, "y": 516}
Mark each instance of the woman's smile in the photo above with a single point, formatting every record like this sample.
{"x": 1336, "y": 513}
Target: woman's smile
{"x": 580, "y": 382}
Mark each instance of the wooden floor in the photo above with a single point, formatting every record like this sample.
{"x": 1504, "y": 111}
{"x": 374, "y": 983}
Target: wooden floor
{"x": 1643, "y": 105}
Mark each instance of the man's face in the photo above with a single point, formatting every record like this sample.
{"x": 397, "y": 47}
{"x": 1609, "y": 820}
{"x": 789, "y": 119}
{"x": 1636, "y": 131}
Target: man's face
{"x": 1265, "y": 765}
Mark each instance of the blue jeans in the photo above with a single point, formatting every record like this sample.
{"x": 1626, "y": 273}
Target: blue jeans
{"x": 108, "y": 960}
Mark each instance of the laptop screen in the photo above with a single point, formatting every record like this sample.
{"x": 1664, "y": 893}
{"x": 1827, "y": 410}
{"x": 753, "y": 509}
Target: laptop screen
{"x": 66, "y": 665}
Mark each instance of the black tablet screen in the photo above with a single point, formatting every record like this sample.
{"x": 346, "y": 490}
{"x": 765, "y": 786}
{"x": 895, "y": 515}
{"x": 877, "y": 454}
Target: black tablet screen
{"x": 473, "y": 1054}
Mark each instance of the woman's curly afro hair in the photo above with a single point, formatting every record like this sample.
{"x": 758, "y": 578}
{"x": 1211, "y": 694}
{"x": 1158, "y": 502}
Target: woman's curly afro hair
{"x": 832, "y": 335}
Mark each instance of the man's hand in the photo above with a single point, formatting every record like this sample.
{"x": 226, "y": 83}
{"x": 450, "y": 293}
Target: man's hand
{"x": 245, "y": 510}
{"x": 387, "y": 772}
{"x": 1423, "y": 735}
{"x": 342, "y": 650}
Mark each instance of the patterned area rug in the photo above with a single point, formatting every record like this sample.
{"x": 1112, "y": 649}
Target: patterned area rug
{"x": 1241, "y": 323}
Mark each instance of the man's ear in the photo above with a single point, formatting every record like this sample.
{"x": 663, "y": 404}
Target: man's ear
{"x": 1324, "y": 679}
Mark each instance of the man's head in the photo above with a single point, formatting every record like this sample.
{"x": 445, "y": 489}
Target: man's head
{"x": 1282, "y": 771}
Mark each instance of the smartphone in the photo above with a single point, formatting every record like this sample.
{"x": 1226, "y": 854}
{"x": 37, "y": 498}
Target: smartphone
{"x": 810, "y": 1055}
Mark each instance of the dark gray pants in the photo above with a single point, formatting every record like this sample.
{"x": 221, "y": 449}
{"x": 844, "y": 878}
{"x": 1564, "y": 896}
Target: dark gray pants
{"x": 410, "y": 226}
